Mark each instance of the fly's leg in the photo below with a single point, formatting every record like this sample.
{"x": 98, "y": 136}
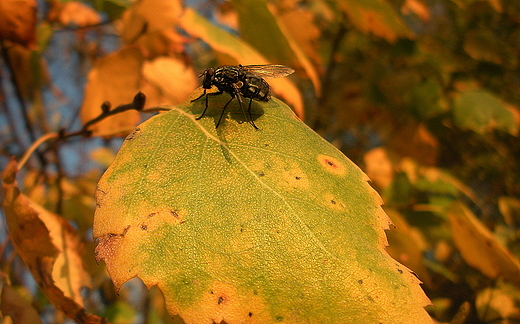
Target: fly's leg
{"x": 206, "y": 107}
{"x": 223, "y": 110}
{"x": 250, "y": 116}
{"x": 249, "y": 108}
{"x": 199, "y": 96}
{"x": 241, "y": 104}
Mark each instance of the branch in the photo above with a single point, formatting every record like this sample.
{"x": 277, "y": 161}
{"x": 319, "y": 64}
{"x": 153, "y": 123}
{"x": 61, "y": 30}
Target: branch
{"x": 137, "y": 104}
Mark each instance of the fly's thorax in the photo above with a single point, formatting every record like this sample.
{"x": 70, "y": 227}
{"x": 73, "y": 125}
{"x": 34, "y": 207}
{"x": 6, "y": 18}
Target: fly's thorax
{"x": 227, "y": 74}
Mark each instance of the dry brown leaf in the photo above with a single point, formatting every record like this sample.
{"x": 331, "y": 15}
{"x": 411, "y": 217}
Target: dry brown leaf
{"x": 13, "y": 305}
{"x": 18, "y": 21}
{"x": 30, "y": 74}
{"x": 51, "y": 260}
{"x": 480, "y": 248}
{"x": 115, "y": 78}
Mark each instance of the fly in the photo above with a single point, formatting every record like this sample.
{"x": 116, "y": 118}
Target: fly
{"x": 241, "y": 81}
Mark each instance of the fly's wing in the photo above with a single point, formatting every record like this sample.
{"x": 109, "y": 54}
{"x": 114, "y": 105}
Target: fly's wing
{"x": 268, "y": 70}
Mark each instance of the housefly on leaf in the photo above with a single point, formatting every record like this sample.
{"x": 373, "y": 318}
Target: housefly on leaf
{"x": 241, "y": 81}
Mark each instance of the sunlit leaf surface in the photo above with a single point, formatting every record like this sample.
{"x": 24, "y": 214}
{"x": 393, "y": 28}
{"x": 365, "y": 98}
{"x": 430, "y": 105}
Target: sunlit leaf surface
{"x": 249, "y": 226}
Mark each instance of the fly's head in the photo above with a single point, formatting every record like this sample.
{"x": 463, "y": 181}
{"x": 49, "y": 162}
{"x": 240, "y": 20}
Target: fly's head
{"x": 208, "y": 78}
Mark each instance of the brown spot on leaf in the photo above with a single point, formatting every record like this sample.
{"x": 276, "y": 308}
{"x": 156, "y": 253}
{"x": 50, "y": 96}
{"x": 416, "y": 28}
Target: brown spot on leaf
{"x": 334, "y": 203}
{"x": 133, "y": 134}
{"x": 223, "y": 302}
{"x": 332, "y": 165}
{"x": 108, "y": 246}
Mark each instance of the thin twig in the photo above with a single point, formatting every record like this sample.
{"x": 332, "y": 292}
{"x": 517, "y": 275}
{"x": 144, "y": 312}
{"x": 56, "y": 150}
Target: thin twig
{"x": 35, "y": 145}
{"x": 136, "y": 104}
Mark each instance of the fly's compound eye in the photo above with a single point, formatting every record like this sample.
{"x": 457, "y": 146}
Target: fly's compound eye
{"x": 208, "y": 75}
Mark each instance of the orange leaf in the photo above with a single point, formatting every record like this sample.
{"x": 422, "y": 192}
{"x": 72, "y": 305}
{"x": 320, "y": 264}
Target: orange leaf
{"x": 18, "y": 21}
{"x": 150, "y": 16}
{"x": 480, "y": 248}
{"x": 78, "y": 14}
{"x": 49, "y": 246}
{"x": 115, "y": 78}
{"x": 376, "y": 17}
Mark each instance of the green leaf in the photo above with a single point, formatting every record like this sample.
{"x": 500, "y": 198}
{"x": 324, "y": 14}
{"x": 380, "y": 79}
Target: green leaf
{"x": 480, "y": 111}
{"x": 424, "y": 99}
{"x": 250, "y": 226}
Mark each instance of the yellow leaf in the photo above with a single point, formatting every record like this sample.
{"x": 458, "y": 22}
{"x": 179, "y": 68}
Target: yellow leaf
{"x": 115, "y": 78}
{"x": 166, "y": 42}
{"x": 510, "y": 209}
{"x": 49, "y": 246}
{"x": 480, "y": 248}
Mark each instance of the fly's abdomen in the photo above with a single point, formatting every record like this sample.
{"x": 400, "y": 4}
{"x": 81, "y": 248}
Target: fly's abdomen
{"x": 256, "y": 88}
